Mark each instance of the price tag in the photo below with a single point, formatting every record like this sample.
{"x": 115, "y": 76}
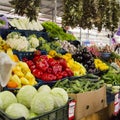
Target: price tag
{"x": 71, "y": 111}
{"x": 116, "y": 104}
{"x": 119, "y": 101}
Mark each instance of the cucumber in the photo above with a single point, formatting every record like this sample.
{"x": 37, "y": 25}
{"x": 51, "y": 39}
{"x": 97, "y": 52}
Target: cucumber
{"x": 92, "y": 76}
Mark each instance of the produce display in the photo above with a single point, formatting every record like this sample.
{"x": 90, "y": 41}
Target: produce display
{"x": 47, "y": 68}
{"x": 47, "y": 46}
{"x": 3, "y": 45}
{"x": 76, "y": 69}
{"x": 112, "y": 76}
{"x": 115, "y": 58}
{"x": 68, "y": 47}
{"x": 100, "y": 65}
{"x": 79, "y": 85}
{"x": 25, "y": 24}
{"x": 85, "y": 57}
{"x": 21, "y": 75}
{"x": 94, "y": 51}
{"x": 30, "y": 103}
{"x": 21, "y": 43}
{"x": 56, "y": 32}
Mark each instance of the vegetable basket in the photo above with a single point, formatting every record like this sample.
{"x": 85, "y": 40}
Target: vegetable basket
{"x": 28, "y": 55}
{"x": 60, "y": 113}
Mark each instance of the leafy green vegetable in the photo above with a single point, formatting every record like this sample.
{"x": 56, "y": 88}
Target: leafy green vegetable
{"x": 6, "y": 98}
{"x": 60, "y": 96}
{"x": 26, "y": 94}
{"x": 44, "y": 88}
{"x": 42, "y": 103}
{"x": 17, "y": 110}
{"x": 54, "y": 31}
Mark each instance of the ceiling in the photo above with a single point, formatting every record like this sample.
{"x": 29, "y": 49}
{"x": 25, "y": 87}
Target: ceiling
{"x": 47, "y": 8}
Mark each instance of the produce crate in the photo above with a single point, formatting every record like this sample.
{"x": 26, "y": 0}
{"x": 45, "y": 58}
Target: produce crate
{"x": 60, "y": 113}
{"x": 89, "y": 102}
{"x": 26, "y": 33}
{"x": 28, "y": 55}
{"x": 105, "y": 55}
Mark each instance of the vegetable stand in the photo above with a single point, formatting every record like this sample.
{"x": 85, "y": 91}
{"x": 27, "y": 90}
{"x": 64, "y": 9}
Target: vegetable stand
{"x": 53, "y": 68}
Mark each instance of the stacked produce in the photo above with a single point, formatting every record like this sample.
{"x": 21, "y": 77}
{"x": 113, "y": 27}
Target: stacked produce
{"x": 112, "y": 79}
{"x": 3, "y": 45}
{"x": 100, "y": 65}
{"x": 21, "y": 75}
{"x": 30, "y": 103}
{"x": 84, "y": 57}
{"x": 68, "y": 47}
{"x": 56, "y": 32}
{"x": 47, "y": 68}
{"x": 47, "y": 46}
{"x": 21, "y": 43}
{"x": 115, "y": 58}
{"x": 94, "y": 51}
{"x": 79, "y": 85}
{"x": 77, "y": 68}
{"x": 25, "y": 24}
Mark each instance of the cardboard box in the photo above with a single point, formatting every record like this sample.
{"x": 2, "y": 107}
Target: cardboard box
{"x": 89, "y": 102}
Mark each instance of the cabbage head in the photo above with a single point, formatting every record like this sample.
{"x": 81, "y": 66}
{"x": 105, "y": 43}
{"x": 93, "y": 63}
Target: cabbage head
{"x": 6, "y": 98}
{"x": 60, "y": 96}
{"x": 26, "y": 94}
{"x": 44, "y": 88}
{"x": 42, "y": 103}
{"x": 17, "y": 110}
{"x": 32, "y": 115}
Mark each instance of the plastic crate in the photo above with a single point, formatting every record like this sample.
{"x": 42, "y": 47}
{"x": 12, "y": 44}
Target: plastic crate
{"x": 28, "y": 55}
{"x": 60, "y": 113}
{"x": 105, "y": 55}
{"x": 26, "y": 33}
{"x": 110, "y": 97}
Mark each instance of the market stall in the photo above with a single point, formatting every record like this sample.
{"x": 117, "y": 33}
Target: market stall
{"x": 47, "y": 74}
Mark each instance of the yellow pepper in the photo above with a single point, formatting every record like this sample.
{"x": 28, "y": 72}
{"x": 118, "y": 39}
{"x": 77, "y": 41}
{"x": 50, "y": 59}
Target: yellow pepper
{"x": 101, "y": 65}
{"x": 52, "y": 53}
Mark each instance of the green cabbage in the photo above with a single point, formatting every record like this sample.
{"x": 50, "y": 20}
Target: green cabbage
{"x": 60, "y": 96}
{"x": 17, "y": 110}
{"x": 32, "y": 115}
{"x": 44, "y": 88}
{"x": 26, "y": 94}
{"x": 6, "y": 98}
{"x": 42, "y": 103}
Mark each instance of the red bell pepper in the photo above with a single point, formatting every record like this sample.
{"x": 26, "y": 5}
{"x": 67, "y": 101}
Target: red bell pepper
{"x": 29, "y": 63}
{"x": 42, "y": 65}
{"x": 48, "y": 77}
{"x": 57, "y": 68}
{"x": 69, "y": 71}
{"x": 52, "y": 61}
{"x": 37, "y": 73}
{"x": 63, "y": 63}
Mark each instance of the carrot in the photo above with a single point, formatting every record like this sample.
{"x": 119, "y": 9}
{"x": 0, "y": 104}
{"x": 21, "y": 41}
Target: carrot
{"x": 12, "y": 84}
